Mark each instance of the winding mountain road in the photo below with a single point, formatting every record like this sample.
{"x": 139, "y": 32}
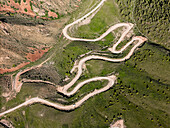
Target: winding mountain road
{"x": 111, "y": 79}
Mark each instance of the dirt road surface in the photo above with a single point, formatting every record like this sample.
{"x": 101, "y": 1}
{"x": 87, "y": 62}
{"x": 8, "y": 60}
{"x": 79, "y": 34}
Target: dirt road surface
{"x": 111, "y": 79}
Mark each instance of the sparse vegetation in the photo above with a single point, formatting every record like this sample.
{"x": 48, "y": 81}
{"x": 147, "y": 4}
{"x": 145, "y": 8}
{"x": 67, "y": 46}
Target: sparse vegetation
{"x": 25, "y": 10}
{"x": 39, "y": 8}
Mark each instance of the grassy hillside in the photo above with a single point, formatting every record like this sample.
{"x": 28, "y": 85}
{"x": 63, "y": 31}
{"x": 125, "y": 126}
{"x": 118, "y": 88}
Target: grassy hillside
{"x": 140, "y": 97}
{"x": 150, "y": 16}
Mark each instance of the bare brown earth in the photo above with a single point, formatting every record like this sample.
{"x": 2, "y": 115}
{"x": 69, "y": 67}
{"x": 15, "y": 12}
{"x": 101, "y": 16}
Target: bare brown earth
{"x": 11, "y": 6}
{"x": 52, "y": 14}
{"x": 20, "y": 43}
{"x": 23, "y": 8}
{"x": 39, "y": 8}
{"x": 2, "y": 71}
{"x": 37, "y": 54}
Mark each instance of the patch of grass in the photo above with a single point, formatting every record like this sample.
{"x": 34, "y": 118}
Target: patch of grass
{"x": 25, "y": 10}
{"x": 145, "y": 92}
{"x": 107, "y": 16}
{"x": 65, "y": 61}
{"x": 154, "y": 60}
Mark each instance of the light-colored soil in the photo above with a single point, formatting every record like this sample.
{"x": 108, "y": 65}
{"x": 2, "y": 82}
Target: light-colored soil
{"x": 118, "y": 124}
{"x": 6, "y": 123}
{"x": 8, "y": 52}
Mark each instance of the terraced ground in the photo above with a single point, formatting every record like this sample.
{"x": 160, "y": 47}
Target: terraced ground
{"x": 140, "y": 97}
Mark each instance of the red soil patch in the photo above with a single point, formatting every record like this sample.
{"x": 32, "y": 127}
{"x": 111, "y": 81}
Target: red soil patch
{"x": 24, "y": 8}
{"x": 38, "y": 53}
{"x": 6, "y": 8}
{"x": 2, "y": 71}
{"x": 76, "y": 6}
{"x": 52, "y": 14}
{"x": 20, "y": 7}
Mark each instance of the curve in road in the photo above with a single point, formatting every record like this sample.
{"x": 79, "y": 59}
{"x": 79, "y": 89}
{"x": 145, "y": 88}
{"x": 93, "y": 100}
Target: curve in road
{"x": 111, "y": 79}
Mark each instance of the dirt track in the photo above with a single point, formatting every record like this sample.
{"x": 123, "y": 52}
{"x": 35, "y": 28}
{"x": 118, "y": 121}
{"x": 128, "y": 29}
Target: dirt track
{"x": 111, "y": 79}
